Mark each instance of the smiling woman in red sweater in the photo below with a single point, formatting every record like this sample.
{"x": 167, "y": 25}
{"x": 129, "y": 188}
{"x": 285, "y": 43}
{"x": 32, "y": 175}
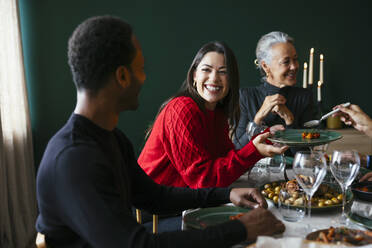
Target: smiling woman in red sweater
{"x": 189, "y": 143}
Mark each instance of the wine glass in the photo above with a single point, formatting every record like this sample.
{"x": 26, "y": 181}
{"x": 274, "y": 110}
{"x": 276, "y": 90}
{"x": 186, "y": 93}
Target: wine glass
{"x": 310, "y": 169}
{"x": 345, "y": 167}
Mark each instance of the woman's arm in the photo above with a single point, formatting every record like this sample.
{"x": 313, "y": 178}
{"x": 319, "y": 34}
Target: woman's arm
{"x": 188, "y": 149}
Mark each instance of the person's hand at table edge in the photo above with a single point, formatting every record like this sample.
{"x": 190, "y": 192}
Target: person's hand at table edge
{"x": 247, "y": 197}
{"x": 366, "y": 177}
{"x": 261, "y": 222}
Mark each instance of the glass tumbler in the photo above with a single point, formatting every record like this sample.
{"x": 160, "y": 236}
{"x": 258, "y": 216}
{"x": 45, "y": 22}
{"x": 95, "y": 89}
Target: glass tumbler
{"x": 292, "y": 204}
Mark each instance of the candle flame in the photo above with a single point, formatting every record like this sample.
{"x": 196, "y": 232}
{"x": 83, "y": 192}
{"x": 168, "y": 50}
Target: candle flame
{"x": 320, "y": 83}
{"x": 312, "y": 50}
{"x": 321, "y": 57}
{"x": 305, "y": 65}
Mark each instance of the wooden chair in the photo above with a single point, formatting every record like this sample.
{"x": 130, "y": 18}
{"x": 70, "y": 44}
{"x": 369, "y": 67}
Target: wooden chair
{"x": 155, "y": 220}
{"x": 40, "y": 241}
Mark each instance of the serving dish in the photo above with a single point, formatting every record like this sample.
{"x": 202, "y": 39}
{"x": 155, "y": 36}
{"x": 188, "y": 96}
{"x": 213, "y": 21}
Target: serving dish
{"x": 293, "y": 137}
{"x": 341, "y": 235}
{"x": 335, "y": 192}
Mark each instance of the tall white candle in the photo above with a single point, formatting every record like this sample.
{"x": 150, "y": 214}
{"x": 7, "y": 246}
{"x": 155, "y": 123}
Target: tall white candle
{"x": 311, "y": 63}
{"x": 319, "y": 91}
{"x": 321, "y": 69}
{"x": 305, "y": 76}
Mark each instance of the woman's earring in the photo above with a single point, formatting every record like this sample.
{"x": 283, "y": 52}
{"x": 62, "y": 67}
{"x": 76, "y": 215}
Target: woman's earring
{"x": 194, "y": 84}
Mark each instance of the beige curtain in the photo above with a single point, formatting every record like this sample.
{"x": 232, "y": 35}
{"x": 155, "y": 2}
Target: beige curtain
{"x": 17, "y": 174}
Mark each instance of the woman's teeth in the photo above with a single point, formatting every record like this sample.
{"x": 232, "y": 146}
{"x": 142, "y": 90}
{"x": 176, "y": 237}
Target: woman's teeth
{"x": 212, "y": 88}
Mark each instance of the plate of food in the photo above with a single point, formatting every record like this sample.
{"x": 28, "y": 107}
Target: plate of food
{"x": 204, "y": 217}
{"x": 362, "y": 190}
{"x": 341, "y": 236}
{"x": 327, "y": 197}
{"x": 304, "y": 137}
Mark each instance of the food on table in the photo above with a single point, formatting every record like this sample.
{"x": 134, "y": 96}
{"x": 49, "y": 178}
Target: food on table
{"x": 364, "y": 189}
{"x": 323, "y": 197}
{"x": 310, "y": 135}
{"x": 342, "y": 235}
{"x": 235, "y": 217}
{"x": 292, "y": 186}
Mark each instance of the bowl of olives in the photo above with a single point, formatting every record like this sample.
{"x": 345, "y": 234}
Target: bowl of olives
{"x": 327, "y": 197}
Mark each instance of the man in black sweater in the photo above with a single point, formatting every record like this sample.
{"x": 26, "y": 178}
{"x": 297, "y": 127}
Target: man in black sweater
{"x": 88, "y": 179}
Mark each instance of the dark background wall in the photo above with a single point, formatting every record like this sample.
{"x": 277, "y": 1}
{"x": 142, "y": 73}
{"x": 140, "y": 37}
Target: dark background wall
{"x": 171, "y": 32}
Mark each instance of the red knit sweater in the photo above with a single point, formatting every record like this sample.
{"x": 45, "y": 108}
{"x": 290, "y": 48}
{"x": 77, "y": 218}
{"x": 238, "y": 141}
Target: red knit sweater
{"x": 188, "y": 147}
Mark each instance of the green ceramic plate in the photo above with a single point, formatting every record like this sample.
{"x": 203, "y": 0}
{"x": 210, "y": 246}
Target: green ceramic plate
{"x": 349, "y": 199}
{"x": 293, "y": 137}
{"x": 365, "y": 222}
{"x": 205, "y": 217}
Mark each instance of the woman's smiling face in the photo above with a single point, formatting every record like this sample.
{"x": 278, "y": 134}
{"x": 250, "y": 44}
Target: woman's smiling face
{"x": 283, "y": 67}
{"x": 211, "y": 79}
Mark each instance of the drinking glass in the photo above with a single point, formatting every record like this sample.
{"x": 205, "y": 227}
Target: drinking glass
{"x": 259, "y": 173}
{"x": 254, "y": 129}
{"x": 292, "y": 204}
{"x": 345, "y": 167}
{"x": 309, "y": 169}
{"x": 277, "y": 162}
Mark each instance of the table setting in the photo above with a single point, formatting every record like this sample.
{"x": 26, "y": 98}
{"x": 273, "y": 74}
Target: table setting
{"x": 312, "y": 193}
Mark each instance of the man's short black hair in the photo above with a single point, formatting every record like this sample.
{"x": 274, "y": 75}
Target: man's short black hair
{"x": 97, "y": 47}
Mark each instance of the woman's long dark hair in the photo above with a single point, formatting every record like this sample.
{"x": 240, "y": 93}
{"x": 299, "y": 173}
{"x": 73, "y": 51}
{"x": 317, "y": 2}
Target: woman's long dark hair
{"x": 230, "y": 104}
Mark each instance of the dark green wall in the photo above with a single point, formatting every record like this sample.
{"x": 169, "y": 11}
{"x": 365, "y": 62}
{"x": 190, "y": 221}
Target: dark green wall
{"x": 172, "y": 31}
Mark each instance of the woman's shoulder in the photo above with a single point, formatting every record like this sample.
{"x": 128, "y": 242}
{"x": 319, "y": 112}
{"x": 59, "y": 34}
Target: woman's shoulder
{"x": 180, "y": 110}
{"x": 182, "y": 103}
{"x": 183, "y": 107}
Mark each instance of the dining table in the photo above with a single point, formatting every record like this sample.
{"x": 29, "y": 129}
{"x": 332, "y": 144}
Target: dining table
{"x": 261, "y": 175}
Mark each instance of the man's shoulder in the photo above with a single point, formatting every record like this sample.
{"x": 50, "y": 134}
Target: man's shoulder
{"x": 68, "y": 143}
{"x": 69, "y": 136}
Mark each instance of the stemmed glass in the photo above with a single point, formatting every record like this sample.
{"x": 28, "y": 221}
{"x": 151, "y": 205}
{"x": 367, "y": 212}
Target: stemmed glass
{"x": 310, "y": 169}
{"x": 345, "y": 167}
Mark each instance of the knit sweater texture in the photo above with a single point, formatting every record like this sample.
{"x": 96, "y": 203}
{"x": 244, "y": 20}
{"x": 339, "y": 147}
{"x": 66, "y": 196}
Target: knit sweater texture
{"x": 191, "y": 147}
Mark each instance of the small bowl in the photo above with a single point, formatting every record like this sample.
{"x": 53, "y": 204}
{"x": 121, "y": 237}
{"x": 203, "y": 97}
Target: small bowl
{"x": 356, "y": 188}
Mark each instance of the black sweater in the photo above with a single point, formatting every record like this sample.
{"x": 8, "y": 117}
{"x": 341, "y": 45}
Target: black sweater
{"x": 84, "y": 203}
{"x": 299, "y": 102}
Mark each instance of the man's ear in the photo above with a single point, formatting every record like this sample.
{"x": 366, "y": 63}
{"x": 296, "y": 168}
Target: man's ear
{"x": 123, "y": 76}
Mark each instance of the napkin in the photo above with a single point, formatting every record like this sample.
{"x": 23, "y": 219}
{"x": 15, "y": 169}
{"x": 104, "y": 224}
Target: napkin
{"x": 363, "y": 209}
{"x": 294, "y": 242}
